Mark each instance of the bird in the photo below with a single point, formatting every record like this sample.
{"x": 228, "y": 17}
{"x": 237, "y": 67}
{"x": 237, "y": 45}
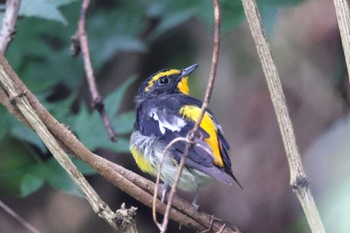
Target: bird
{"x": 165, "y": 111}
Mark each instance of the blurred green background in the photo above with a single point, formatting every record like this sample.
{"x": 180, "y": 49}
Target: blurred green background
{"x": 129, "y": 40}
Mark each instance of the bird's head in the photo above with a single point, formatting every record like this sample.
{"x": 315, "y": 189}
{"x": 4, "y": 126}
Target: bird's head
{"x": 167, "y": 81}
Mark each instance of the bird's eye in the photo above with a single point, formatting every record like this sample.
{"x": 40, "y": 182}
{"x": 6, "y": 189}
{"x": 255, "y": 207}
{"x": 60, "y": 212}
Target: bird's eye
{"x": 164, "y": 80}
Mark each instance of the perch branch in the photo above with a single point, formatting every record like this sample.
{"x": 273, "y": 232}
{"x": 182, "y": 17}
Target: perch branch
{"x": 9, "y": 23}
{"x": 298, "y": 180}
{"x": 136, "y": 186}
{"x": 80, "y": 43}
{"x": 343, "y": 15}
{"x": 21, "y": 102}
{"x": 191, "y": 135}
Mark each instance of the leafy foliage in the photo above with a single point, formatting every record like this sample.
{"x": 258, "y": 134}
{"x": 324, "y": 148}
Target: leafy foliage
{"x": 40, "y": 55}
{"x": 41, "y": 9}
{"x": 90, "y": 129}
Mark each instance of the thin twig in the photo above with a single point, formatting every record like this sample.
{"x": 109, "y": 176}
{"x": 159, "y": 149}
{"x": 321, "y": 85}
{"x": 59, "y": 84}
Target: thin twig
{"x": 18, "y": 218}
{"x": 298, "y": 180}
{"x": 80, "y": 43}
{"x": 191, "y": 135}
{"x": 154, "y": 207}
{"x": 136, "y": 186}
{"x": 165, "y": 151}
{"x": 343, "y": 15}
{"x": 9, "y": 23}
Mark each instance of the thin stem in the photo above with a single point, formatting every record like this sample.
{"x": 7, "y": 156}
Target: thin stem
{"x": 80, "y": 43}
{"x": 207, "y": 96}
{"x": 9, "y": 23}
{"x": 18, "y": 218}
{"x": 155, "y": 192}
{"x": 298, "y": 180}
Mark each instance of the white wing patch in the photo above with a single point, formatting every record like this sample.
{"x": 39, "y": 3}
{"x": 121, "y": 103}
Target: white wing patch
{"x": 176, "y": 124}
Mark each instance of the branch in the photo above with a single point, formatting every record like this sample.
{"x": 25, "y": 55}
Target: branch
{"x": 343, "y": 15}
{"x": 191, "y": 135}
{"x": 136, "y": 186}
{"x": 80, "y": 43}
{"x": 21, "y": 102}
{"x": 13, "y": 214}
{"x": 298, "y": 180}
{"x": 9, "y": 23}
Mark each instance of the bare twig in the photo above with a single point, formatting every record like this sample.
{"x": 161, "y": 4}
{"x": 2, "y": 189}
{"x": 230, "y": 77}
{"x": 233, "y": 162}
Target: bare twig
{"x": 191, "y": 134}
{"x": 80, "y": 43}
{"x": 343, "y": 15}
{"x": 136, "y": 186}
{"x": 18, "y": 218}
{"x": 155, "y": 192}
{"x": 154, "y": 207}
{"x": 9, "y": 23}
{"x": 298, "y": 180}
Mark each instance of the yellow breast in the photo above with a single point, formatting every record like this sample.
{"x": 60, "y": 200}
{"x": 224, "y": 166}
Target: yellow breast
{"x": 140, "y": 160}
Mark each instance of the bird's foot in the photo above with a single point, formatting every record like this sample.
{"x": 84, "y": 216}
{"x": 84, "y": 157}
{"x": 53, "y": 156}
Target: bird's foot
{"x": 212, "y": 219}
{"x": 165, "y": 187}
{"x": 195, "y": 201}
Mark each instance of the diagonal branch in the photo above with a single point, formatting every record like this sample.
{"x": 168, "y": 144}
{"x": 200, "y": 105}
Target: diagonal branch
{"x": 9, "y": 23}
{"x": 21, "y": 102}
{"x": 298, "y": 180}
{"x": 80, "y": 43}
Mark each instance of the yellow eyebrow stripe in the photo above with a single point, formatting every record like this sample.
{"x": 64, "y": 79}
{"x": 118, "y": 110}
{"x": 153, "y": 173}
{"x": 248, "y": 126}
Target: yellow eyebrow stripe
{"x": 207, "y": 124}
{"x": 159, "y": 75}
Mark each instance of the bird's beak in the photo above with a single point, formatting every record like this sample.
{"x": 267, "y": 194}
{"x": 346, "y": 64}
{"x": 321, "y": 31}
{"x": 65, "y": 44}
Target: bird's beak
{"x": 187, "y": 71}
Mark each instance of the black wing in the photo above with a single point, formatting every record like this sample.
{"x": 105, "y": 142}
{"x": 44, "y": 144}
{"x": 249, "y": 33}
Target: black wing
{"x": 161, "y": 118}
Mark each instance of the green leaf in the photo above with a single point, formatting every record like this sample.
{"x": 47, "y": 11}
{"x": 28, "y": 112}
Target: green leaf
{"x": 15, "y": 158}
{"x": 122, "y": 146}
{"x": 22, "y": 132}
{"x": 269, "y": 16}
{"x": 58, "y": 178}
{"x": 61, "y": 109}
{"x": 123, "y": 123}
{"x": 90, "y": 128}
{"x": 92, "y": 133}
{"x": 83, "y": 167}
{"x": 171, "y": 14}
{"x": 122, "y": 35}
{"x": 5, "y": 123}
{"x": 29, "y": 184}
{"x": 59, "y": 3}
{"x": 114, "y": 100}
{"x": 269, "y": 12}
{"x": 34, "y": 176}
{"x": 41, "y": 9}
